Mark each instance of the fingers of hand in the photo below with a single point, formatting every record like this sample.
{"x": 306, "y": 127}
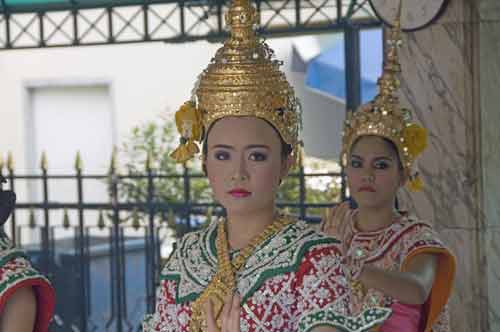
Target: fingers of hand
{"x": 234, "y": 316}
{"x": 231, "y": 313}
{"x": 209, "y": 314}
{"x": 226, "y": 310}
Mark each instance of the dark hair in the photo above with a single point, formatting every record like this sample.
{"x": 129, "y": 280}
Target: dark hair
{"x": 286, "y": 149}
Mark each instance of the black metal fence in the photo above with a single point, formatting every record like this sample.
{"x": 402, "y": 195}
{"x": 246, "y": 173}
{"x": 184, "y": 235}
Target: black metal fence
{"x": 104, "y": 257}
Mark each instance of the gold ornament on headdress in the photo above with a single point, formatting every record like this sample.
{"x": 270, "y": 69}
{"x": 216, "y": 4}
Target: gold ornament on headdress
{"x": 242, "y": 79}
{"x": 384, "y": 116}
{"x": 188, "y": 123}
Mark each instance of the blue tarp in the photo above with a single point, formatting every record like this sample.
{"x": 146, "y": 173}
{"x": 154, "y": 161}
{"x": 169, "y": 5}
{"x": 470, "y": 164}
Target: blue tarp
{"x": 326, "y": 72}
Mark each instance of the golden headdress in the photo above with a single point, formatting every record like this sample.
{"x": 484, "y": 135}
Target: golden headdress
{"x": 384, "y": 116}
{"x": 242, "y": 79}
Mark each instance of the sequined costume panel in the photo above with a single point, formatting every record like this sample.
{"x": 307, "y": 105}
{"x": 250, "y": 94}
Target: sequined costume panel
{"x": 390, "y": 249}
{"x": 293, "y": 282}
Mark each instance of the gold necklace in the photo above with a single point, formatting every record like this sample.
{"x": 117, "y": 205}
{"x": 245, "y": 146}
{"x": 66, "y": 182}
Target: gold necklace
{"x": 224, "y": 281}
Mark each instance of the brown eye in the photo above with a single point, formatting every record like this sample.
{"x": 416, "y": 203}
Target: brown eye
{"x": 258, "y": 156}
{"x": 356, "y": 164}
{"x": 381, "y": 165}
{"x": 221, "y": 155}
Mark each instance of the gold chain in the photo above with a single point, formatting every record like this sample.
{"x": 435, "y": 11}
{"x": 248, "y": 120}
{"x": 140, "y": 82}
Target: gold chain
{"x": 224, "y": 281}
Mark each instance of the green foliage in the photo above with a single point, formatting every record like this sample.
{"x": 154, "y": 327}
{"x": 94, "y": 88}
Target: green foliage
{"x": 158, "y": 139}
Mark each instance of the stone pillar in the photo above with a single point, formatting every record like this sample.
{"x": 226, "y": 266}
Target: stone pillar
{"x": 451, "y": 80}
{"x": 489, "y": 91}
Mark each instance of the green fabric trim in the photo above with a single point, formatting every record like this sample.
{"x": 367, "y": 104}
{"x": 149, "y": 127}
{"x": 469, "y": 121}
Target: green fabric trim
{"x": 290, "y": 268}
{"x": 328, "y": 317}
{"x": 212, "y": 245}
{"x": 13, "y": 254}
{"x": 208, "y": 243}
{"x": 177, "y": 277}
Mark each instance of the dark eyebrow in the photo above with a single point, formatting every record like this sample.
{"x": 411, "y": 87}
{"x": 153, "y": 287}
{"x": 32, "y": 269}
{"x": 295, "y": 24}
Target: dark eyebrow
{"x": 257, "y": 146}
{"x": 375, "y": 159}
{"x": 230, "y": 147}
{"x": 222, "y": 146}
{"x": 383, "y": 158}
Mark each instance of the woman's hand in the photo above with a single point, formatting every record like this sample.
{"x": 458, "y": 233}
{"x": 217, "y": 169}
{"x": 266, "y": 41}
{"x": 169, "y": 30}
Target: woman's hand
{"x": 335, "y": 221}
{"x": 230, "y": 315}
{"x": 412, "y": 286}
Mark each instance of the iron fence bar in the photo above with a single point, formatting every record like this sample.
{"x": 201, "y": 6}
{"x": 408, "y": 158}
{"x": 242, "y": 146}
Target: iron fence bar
{"x": 87, "y": 273}
{"x": 339, "y": 11}
{"x": 45, "y": 228}
{"x": 150, "y": 245}
{"x": 41, "y": 29}
{"x": 302, "y": 193}
{"x": 187, "y": 197}
{"x": 353, "y": 67}
{"x": 84, "y": 306}
{"x": 219, "y": 17}
{"x": 156, "y": 277}
{"x": 113, "y": 287}
{"x": 51, "y": 247}
{"x": 343, "y": 185}
{"x": 117, "y": 258}
{"x": 298, "y": 22}
{"x": 12, "y": 187}
{"x": 145, "y": 10}
{"x": 109, "y": 13}
{"x": 123, "y": 279}
{"x": 8, "y": 43}
{"x": 182, "y": 17}
{"x": 74, "y": 14}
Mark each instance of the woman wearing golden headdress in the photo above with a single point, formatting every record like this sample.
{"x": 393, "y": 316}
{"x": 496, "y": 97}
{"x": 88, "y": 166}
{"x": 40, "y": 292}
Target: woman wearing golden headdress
{"x": 256, "y": 269}
{"x": 394, "y": 260}
{"x": 26, "y": 297}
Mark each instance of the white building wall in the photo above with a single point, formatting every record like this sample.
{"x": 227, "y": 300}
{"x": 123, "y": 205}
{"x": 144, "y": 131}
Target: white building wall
{"x": 144, "y": 80}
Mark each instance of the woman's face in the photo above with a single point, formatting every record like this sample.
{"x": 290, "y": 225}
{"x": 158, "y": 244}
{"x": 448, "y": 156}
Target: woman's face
{"x": 373, "y": 173}
{"x": 244, "y": 164}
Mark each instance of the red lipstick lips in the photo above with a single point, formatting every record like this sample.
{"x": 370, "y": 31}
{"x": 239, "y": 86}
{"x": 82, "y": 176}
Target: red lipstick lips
{"x": 367, "y": 189}
{"x": 239, "y": 193}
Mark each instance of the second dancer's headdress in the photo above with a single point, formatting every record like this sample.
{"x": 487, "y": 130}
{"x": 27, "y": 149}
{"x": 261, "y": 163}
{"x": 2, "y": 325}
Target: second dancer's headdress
{"x": 384, "y": 116}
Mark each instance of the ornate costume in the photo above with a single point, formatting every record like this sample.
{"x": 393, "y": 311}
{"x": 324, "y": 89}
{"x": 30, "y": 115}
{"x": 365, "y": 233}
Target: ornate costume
{"x": 393, "y": 247}
{"x": 16, "y": 272}
{"x": 292, "y": 281}
{"x": 289, "y": 277}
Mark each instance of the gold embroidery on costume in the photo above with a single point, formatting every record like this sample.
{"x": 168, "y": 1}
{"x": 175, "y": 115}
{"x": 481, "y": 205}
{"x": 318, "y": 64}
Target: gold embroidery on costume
{"x": 224, "y": 282}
